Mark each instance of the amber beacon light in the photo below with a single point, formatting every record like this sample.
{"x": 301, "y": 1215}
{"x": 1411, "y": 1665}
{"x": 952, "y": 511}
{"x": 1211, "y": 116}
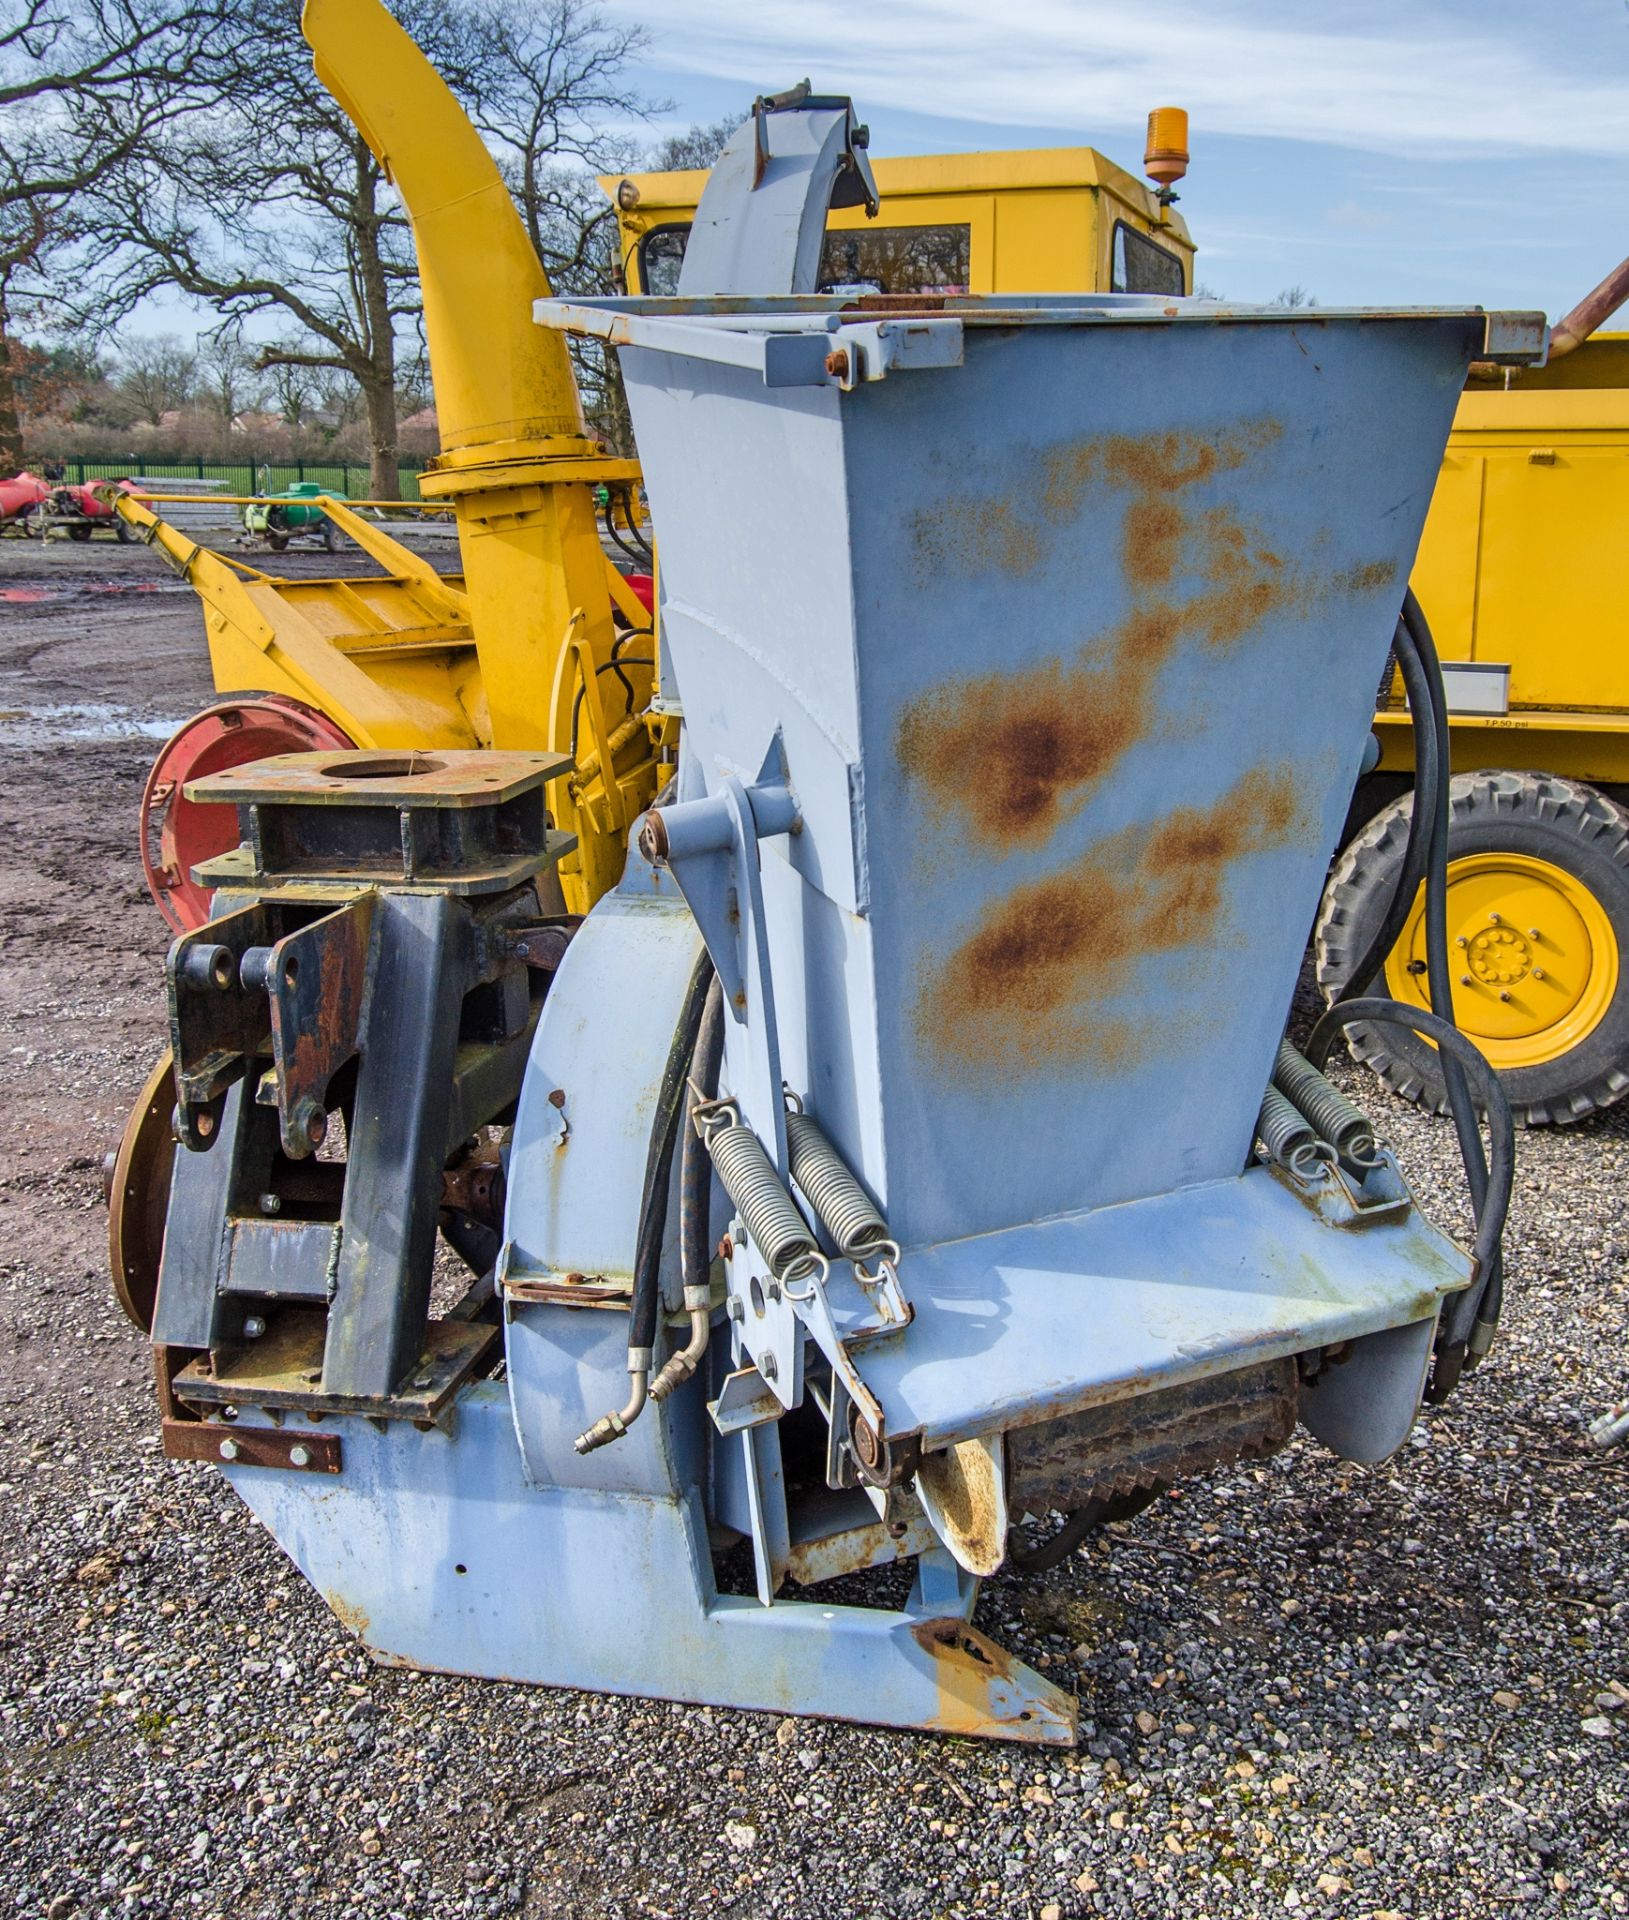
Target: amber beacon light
{"x": 1165, "y": 158}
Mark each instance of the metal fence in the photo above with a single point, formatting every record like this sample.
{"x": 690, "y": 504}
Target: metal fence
{"x": 248, "y": 476}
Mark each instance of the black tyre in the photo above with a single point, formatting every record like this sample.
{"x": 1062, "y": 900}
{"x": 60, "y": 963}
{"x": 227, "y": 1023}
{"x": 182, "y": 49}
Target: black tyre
{"x": 330, "y": 535}
{"x": 278, "y": 542}
{"x": 1538, "y": 930}
{"x": 127, "y": 533}
{"x": 80, "y": 530}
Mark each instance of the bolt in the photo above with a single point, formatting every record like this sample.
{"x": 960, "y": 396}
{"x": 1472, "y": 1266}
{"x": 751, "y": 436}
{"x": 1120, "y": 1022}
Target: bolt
{"x": 726, "y": 1248}
{"x": 897, "y": 1529}
{"x": 1534, "y": 934}
{"x": 767, "y": 1366}
{"x": 837, "y": 363}
{"x": 299, "y": 1456}
{"x": 1504, "y": 996}
{"x": 271, "y": 1203}
{"x": 229, "y": 1449}
{"x": 1538, "y": 973}
{"x": 253, "y": 1327}
{"x": 1495, "y": 919}
{"x": 773, "y": 1289}
{"x": 653, "y": 837}
{"x": 735, "y": 1309}
{"x": 1465, "y": 980}
{"x": 310, "y": 1122}
{"x": 1461, "y": 941}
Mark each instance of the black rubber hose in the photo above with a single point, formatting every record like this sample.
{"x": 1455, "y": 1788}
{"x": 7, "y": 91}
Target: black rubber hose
{"x": 695, "y": 1162}
{"x": 1417, "y": 850}
{"x": 1057, "y": 1547}
{"x": 1479, "y": 1303}
{"x": 664, "y": 1132}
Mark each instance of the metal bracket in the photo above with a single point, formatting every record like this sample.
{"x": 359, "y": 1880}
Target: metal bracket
{"x": 236, "y": 1445}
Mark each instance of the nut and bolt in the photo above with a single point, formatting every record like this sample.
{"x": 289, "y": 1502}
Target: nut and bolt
{"x": 767, "y": 1366}
{"x": 271, "y": 1203}
{"x": 228, "y": 1449}
{"x": 735, "y": 1309}
{"x": 837, "y": 363}
{"x": 1538, "y": 973}
{"x": 653, "y": 837}
{"x": 299, "y": 1456}
{"x": 254, "y": 1326}
{"x": 310, "y": 1122}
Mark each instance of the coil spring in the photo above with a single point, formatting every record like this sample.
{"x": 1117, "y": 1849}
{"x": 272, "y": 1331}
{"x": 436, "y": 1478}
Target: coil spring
{"x": 1285, "y": 1134}
{"x": 1330, "y": 1114}
{"x": 767, "y": 1210}
{"x": 841, "y": 1204}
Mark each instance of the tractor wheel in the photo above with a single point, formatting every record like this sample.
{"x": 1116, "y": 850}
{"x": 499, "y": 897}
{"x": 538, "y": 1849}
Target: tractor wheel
{"x": 29, "y": 521}
{"x": 278, "y": 542}
{"x": 1538, "y": 932}
{"x": 80, "y": 530}
{"x": 138, "y": 1194}
{"x": 330, "y": 535}
{"x": 177, "y": 833}
{"x": 127, "y": 533}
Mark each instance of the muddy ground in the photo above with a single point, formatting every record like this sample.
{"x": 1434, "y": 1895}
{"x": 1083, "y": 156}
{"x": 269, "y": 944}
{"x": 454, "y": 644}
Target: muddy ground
{"x": 1304, "y": 1686}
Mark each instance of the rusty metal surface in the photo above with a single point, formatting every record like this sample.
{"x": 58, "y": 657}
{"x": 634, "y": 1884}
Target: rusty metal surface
{"x": 983, "y": 1689}
{"x": 1151, "y": 1440}
{"x": 450, "y": 777}
{"x": 283, "y": 1369}
{"x": 138, "y": 1196}
{"x": 296, "y": 1449}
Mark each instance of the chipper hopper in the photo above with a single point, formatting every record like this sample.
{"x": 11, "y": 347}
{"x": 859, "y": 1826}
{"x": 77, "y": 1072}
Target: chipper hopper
{"x": 883, "y": 1164}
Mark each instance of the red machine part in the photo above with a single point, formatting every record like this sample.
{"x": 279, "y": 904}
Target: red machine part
{"x": 21, "y": 495}
{"x": 178, "y": 833}
{"x": 644, "y": 586}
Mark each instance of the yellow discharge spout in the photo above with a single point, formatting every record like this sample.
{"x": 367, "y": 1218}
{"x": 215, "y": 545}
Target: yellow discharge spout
{"x": 516, "y": 463}
{"x": 498, "y": 377}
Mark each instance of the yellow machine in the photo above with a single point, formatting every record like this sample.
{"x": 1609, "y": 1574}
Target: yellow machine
{"x": 515, "y": 653}
{"x": 1031, "y": 222}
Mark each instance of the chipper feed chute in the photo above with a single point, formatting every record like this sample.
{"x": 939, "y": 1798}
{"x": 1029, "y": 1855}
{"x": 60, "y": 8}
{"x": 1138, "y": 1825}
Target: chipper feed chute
{"x": 883, "y": 1165}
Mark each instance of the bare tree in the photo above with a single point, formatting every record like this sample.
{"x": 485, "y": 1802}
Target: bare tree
{"x": 698, "y": 146}
{"x": 276, "y": 206}
{"x": 155, "y": 376}
{"x": 82, "y": 84}
{"x": 226, "y": 367}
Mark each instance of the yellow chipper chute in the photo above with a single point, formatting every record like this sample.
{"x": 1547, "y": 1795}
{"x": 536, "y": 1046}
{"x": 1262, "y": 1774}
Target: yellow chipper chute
{"x": 518, "y": 653}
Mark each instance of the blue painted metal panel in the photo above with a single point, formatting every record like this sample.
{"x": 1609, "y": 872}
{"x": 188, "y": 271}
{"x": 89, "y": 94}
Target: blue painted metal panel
{"x": 1071, "y": 650}
{"x": 437, "y": 1553}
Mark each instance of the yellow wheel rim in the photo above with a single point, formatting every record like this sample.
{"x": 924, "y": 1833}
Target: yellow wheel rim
{"x": 1533, "y": 956}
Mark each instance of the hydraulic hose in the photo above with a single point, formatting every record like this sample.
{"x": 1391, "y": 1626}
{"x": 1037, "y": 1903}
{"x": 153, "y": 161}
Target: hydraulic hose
{"x": 696, "y": 1198}
{"x": 1469, "y": 1324}
{"x": 646, "y": 1298}
{"x": 1417, "y": 849}
{"x": 1471, "y": 1317}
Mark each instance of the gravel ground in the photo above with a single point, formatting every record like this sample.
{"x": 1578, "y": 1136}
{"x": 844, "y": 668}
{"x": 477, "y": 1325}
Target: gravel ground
{"x": 1305, "y": 1687}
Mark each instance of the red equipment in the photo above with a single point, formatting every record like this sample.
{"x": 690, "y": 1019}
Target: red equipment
{"x": 176, "y": 833}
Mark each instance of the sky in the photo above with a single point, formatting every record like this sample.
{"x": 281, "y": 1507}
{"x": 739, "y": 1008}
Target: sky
{"x": 1394, "y": 152}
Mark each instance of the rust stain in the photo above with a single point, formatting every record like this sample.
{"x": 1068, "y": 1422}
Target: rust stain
{"x": 1016, "y": 755}
{"x": 1034, "y": 984}
{"x": 984, "y": 1689}
{"x": 1012, "y": 757}
{"x": 350, "y": 1616}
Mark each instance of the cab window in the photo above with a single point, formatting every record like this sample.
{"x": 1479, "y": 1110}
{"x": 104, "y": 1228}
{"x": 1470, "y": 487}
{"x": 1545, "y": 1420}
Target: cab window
{"x": 1141, "y": 265}
{"x": 868, "y": 259}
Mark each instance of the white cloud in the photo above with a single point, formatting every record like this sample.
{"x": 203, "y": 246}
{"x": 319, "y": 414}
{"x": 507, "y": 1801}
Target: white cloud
{"x": 1391, "y": 78}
